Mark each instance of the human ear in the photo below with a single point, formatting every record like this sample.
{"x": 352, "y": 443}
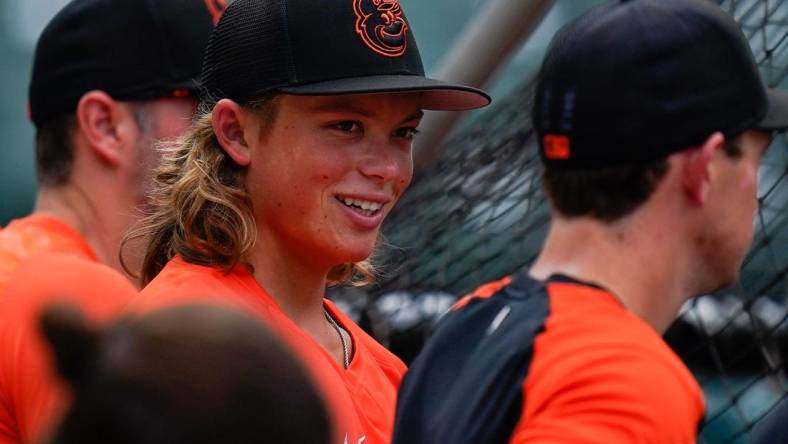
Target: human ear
{"x": 697, "y": 168}
{"x": 229, "y": 120}
{"x": 101, "y": 122}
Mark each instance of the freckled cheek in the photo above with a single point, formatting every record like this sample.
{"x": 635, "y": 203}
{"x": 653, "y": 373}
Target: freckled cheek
{"x": 405, "y": 176}
{"x": 401, "y": 185}
{"x": 322, "y": 182}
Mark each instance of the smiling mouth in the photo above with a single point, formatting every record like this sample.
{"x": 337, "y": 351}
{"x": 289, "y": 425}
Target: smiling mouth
{"x": 364, "y": 207}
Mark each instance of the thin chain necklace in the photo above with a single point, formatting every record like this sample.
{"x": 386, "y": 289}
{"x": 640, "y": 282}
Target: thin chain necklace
{"x": 345, "y": 351}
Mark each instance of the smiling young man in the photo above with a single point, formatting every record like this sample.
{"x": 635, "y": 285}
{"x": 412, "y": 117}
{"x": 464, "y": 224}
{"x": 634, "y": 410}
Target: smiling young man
{"x": 301, "y": 148}
{"x": 652, "y": 121}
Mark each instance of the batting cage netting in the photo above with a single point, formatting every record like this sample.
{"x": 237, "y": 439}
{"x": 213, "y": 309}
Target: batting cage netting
{"x": 479, "y": 214}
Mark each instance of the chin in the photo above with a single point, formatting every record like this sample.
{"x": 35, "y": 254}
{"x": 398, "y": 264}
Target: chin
{"x": 339, "y": 256}
{"x": 725, "y": 278}
{"x": 355, "y": 248}
{"x": 359, "y": 255}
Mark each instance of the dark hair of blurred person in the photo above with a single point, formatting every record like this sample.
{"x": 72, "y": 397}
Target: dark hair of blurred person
{"x": 187, "y": 374}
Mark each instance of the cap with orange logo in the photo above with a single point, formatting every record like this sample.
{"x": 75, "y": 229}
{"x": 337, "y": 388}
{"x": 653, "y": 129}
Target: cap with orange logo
{"x": 329, "y": 47}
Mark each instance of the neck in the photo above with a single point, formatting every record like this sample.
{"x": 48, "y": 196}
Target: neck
{"x": 638, "y": 259}
{"x": 101, "y": 223}
{"x": 297, "y": 285}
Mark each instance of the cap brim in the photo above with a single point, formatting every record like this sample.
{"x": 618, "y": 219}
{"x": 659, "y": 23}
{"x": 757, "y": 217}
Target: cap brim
{"x": 777, "y": 116}
{"x": 437, "y": 95}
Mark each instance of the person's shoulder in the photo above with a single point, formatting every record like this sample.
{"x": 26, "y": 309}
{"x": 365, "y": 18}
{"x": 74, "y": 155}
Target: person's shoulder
{"x": 587, "y": 321}
{"x": 621, "y": 395}
{"x": 35, "y": 234}
{"x": 485, "y": 291}
{"x": 38, "y": 233}
{"x": 51, "y": 276}
{"x": 620, "y": 352}
{"x": 181, "y": 282}
{"x": 597, "y": 364}
{"x": 585, "y": 317}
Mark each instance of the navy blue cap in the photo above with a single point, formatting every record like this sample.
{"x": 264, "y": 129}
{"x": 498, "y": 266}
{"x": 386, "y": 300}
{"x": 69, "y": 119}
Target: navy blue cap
{"x": 634, "y": 81}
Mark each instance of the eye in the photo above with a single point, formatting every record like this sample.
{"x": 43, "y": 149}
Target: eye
{"x": 347, "y": 126}
{"x": 406, "y": 132}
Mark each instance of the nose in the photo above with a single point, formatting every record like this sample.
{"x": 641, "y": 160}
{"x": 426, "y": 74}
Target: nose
{"x": 385, "y": 163}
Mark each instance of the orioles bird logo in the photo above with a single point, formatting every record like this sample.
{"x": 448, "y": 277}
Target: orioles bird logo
{"x": 215, "y": 8}
{"x": 381, "y": 26}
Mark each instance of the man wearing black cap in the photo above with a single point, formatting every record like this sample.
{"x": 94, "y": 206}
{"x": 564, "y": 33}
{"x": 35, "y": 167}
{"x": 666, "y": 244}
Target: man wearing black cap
{"x": 110, "y": 77}
{"x": 652, "y": 120}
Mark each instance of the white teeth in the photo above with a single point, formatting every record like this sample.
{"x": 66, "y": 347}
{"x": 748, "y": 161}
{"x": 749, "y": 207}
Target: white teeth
{"x": 363, "y": 204}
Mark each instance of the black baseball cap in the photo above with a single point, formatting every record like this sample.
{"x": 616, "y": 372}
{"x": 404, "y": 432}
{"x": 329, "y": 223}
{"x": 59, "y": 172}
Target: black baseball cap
{"x": 634, "y": 81}
{"x": 131, "y": 49}
{"x": 330, "y": 47}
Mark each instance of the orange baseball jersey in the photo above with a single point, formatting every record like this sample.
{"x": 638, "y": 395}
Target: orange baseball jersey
{"x": 361, "y": 398}
{"x": 31, "y": 394}
{"x": 34, "y": 234}
{"x": 561, "y": 361}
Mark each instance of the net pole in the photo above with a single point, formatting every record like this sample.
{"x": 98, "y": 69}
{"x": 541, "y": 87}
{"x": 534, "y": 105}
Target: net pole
{"x": 488, "y": 42}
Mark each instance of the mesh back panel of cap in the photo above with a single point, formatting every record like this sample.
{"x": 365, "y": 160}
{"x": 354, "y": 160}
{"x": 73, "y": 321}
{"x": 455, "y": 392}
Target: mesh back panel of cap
{"x": 249, "y": 52}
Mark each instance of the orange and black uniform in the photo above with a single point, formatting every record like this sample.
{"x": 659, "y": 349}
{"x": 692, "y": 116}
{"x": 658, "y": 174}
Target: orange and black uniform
{"x": 361, "y": 398}
{"x": 560, "y": 361}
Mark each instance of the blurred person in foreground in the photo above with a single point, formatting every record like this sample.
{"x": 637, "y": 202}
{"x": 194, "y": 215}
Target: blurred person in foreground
{"x": 184, "y": 375}
{"x": 109, "y": 78}
{"x": 301, "y": 148}
{"x": 652, "y": 120}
